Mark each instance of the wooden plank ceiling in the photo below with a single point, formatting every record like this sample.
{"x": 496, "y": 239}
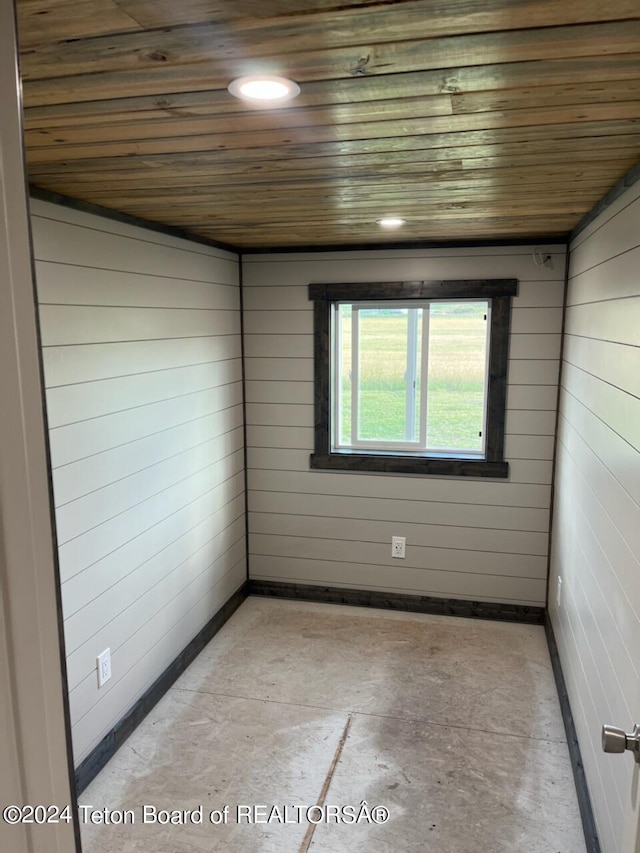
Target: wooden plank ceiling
{"x": 472, "y": 119}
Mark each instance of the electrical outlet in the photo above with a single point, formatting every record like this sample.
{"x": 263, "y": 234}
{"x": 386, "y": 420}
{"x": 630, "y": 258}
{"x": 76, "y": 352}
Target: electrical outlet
{"x": 104, "y": 667}
{"x": 398, "y": 544}
{"x": 559, "y": 592}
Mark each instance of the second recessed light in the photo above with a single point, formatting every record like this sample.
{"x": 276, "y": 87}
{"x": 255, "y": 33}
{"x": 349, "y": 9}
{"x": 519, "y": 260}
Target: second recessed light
{"x": 391, "y": 222}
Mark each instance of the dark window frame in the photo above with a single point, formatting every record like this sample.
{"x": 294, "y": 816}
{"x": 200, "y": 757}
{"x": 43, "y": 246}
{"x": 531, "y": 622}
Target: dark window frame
{"x": 498, "y": 291}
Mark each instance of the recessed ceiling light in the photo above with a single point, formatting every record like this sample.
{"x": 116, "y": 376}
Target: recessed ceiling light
{"x": 391, "y": 222}
{"x": 264, "y": 90}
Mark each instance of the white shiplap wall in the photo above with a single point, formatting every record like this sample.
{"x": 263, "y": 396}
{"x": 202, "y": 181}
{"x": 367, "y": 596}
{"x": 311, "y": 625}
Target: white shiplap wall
{"x": 466, "y": 538}
{"x": 142, "y": 359}
{"x": 596, "y": 541}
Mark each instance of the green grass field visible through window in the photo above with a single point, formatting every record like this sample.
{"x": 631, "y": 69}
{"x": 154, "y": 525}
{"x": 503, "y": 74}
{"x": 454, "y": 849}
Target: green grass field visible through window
{"x": 456, "y": 383}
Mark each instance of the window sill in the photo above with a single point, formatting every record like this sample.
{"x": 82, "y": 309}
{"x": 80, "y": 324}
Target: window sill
{"x": 394, "y": 464}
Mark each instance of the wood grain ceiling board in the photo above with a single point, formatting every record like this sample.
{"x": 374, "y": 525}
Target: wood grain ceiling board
{"x": 473, "y": 119}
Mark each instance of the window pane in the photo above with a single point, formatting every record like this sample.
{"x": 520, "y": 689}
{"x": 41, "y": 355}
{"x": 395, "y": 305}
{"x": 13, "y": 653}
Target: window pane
{"x": 343, "y": 328}
{"x": 456, "y": 375}
{"x": 415, "y": 411}
{"x": 382, "y": 391}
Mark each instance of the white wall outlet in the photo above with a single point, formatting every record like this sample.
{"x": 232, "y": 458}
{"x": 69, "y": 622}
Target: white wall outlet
{"x": 104, "y": 667}
{"x": 398, "y": 544}
{"x": 559, "y": 592}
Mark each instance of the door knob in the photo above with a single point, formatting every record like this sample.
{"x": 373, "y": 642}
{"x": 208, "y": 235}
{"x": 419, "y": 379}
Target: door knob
{"x": 617, "y": 740}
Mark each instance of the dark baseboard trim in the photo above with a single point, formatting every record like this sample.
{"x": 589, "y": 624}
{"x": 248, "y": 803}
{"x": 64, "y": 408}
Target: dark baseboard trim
{"x": 127, "y": 218}
{"x": 112, "y": 741}
{"x": 584, "y": 800}
{"x": 399, "y": 601}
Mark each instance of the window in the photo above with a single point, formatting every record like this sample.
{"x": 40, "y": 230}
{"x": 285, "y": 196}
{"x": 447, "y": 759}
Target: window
{"x": 410, "y": 377}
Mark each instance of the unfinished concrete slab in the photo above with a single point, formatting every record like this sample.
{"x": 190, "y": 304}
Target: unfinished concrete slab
{"x": 491, "y": 676}
{"x": 452, "y": 725}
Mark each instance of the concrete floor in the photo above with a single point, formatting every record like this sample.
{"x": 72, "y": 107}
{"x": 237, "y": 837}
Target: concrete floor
{"x": 451, "y": 724}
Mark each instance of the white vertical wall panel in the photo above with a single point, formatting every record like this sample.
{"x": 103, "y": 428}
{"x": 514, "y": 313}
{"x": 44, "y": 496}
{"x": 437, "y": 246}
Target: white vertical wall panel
{"x": 141, "y": 350}
{"x": 596, "y": 525}
{"x": 477, "y": 539}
